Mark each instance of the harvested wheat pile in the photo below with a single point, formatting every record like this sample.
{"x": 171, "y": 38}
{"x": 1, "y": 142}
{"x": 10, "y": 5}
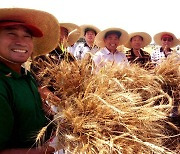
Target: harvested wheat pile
{"x": 113, "y": 111}
{"x": 169, "y": 70}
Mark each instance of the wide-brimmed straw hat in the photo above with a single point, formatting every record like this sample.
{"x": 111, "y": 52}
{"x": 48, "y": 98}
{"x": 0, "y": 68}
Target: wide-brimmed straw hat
{"x": 99, "y": 39}
{"x": 43, "y": 21}
{"x": 90, "y": 27}
{"x": 146, "y": 39}
{"x": 74, "y": 32}
{"x": 158, "y": 37}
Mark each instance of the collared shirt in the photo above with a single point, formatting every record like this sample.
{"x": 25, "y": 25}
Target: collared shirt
{"x": 145, "y": 57}
{"x": 21, "y": 114}
{"x": 104, "y": 56}
{"x": 79, "y": 50}
{"x": 158, "y": 55}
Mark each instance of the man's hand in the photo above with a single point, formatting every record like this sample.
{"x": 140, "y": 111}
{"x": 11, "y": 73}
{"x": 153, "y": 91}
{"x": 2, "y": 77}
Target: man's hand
{"x": 49, "y": 99}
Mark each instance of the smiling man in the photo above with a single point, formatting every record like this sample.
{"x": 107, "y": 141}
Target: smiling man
{"x": 109, "y": 40}
{"x": 16, "y": 44}
{"x": 22, "y": 34}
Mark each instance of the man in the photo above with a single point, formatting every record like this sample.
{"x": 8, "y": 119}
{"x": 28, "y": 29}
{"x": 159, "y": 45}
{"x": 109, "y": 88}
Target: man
{"x": 136, "y": 42}
{"x": 109, "y": 39}
{"x": 70, "y": 33}
{"x": 166, "y": 41}
{"x": 22, "y": 34}
{"x": 79, "y": 50}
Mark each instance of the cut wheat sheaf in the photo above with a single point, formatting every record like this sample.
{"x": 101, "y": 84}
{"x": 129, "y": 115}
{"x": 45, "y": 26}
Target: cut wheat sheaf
{"x": 116, "y": 110}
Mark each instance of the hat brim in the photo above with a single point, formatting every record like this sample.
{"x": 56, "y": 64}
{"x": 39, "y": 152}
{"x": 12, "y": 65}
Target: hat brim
{"x": 36, "y": 32}
{"x": 84, "y": 27}
{"x": 158, "y": 36}
{"x": 44, "y": 21}
{"x": 146, "y": 39}
{"x": 74, "y": 32}
{"x": 99, "y": 39}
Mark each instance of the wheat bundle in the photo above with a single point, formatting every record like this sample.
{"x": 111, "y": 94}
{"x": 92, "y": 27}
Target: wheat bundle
{"x": 169, "y": 70}
{"x": 113, "y": 111}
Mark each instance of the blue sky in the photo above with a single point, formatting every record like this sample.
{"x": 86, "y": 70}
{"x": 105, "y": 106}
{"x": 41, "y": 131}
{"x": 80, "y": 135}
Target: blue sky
{"x": 151, "y": 16}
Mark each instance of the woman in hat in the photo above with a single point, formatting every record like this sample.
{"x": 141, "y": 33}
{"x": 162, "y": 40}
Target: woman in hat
{"x": 109, "y": 39}
{"x": 22, "y": 34}
{"x": 136, "y": 42}
{"x": 79, "y": 50}
{"x": 166, "y": 41}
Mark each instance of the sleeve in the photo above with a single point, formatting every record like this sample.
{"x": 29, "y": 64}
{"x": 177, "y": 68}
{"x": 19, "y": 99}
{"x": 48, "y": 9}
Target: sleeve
{"x": 6, "y": 116}
{"x": 97, "y": 58}
{"x": 70, "y": 50}
{"x": 78, "y": 51}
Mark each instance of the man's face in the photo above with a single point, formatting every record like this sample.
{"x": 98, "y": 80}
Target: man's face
{"x": 16, "y": 43}
{"x": 90, "y": 36}
{"x": 167, "y": 41}
{"x": 111, "y": 42}
{"x": 64, "y": 35}
{"x": 136, "y": 42}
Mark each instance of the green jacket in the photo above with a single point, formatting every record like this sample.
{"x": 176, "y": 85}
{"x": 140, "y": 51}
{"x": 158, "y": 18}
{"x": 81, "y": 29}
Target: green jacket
{"x": 21, "y": 114}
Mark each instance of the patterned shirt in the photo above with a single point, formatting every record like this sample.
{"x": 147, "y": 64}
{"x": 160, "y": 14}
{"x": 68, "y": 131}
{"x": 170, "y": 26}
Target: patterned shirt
{"x": 145, "y": 57}
{"x": 158, "y": 55}
{"x": 79, "y": 50}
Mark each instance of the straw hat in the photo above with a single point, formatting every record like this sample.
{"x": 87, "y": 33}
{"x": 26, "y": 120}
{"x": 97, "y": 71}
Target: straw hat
{"x": 158, "y": 36}
{"x": 74, "y": 32}
{"x": 99, "y": 39}
{"x": 44, "y": 21}
{"x": 84, "y": 27}
{"x": 146, "y": 39}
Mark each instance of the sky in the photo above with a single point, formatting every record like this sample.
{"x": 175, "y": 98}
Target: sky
{"x": 151, "y": 16}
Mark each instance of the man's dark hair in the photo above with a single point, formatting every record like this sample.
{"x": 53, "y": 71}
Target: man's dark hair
{"x": 118, "y": 33}
{"x": 135, "y": 36}
{"x": 89, "y": 29}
